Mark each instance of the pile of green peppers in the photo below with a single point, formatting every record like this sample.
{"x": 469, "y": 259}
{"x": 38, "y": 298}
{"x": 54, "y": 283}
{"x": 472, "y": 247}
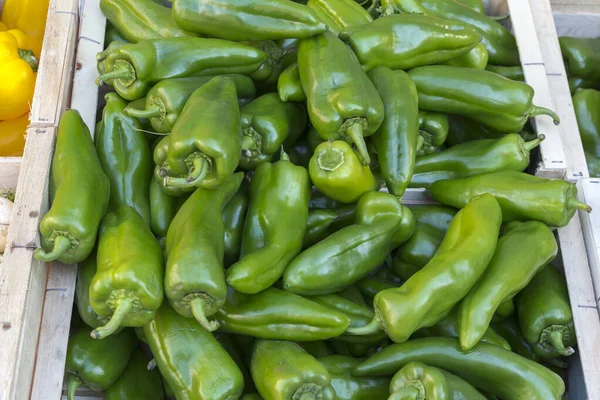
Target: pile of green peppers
{"x": 238, "y": 218}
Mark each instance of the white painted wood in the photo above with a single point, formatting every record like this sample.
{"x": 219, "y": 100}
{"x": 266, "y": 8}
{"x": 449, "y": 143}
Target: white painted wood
{"x": 9, "y": 172}
{"x": 591, "y": 229}
{"x": 578, "y": 25}
{"x": 576, "y": 6}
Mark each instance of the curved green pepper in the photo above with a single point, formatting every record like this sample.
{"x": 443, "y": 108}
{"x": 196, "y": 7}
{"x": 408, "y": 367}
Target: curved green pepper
{"x": 97, "y": 364}
{"x": 136, "y": 382}
{"x": 406, "y": 41}
{"x": 113, "y": 35}
{"x": 241, "y": 20}
{"x": 202, "y": 154}
{"x": 128, "y": 285}
{"x": 582, "y": 56}
{"x": 125, "y": 158}
{"x": 586, "y": 103}
{"x": 166, "y": 100}
{"x": 79, "y": 194}
{"x": 274, "y": 227}
{"x": 433, "y": 129}
{"x": 508, "y": 153}
{"x": 476, "y": 58}
{"x": 340, "y": 14}
{"x": 506, "y": 309}
{"x": 85, "y": 274}
{"x": 162, "y": 210}
{"x": 432, "y": 292}
{"x": 351, "y": 253}
{"x": 348, "y": 387}
{"x": 323, "y": 222}
{"x": 193, "y": 363}
{"x": 283, "y": 370}
{"x": 522, "y": 197}
{"x": 397, "y": 138}
{"x": 132, "y": 68}
{"x": 234, "y": 215}
{"x": 141, "y": 19}
{"x": 545, "y": 313}
{"x": 462, "y": 129}
{"x": 194, "y": 278}
{"x": 371, "y": 285}
{"x": 515, "y": 73}
{"x": 593, "y": 164}
{"x": 466, "y": 91}
{"x": 335, "y": 169}
{"x": 342, "y": 102}
{"x": 522, "y": 251}
{"x": 268, "y": 123}
{"x": 272, "y": 313}
{"x": 488, "y": 367}
{"x": 289, "y": 86}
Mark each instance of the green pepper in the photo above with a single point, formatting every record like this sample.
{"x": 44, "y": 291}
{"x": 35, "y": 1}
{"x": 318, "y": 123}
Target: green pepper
{"x": 522, "y": 251}
{"x": 85, "y": 274}
{"x": 300, "y": 153}
{"x": 97, "y": 364}
{"x": 515, "y": 73}
{"x": 522, "y": 197}
{"x": 476, "y": 5}
{"x": 162, "y": 209}
{"x": 194, "y": 278}
{"x": 193, "y": 363}
{"x": 466, "y": 91}
{"x": 335, "y": 169}
{"x": 505, "y": 309}
{"x": 241, "y": 20}
{"x": 508, "y": 153}
{"x": 283, "y": 370}
{"x": 128, "y": 285}
{"x": 319, "y": 200}
{"x": 268, "y": 123}
{"x": 125, "y": 158}
{"x": 576, "y": 83}
{"x": 141, "y": 19}
{"x": 271, "y": 313}
{"x": 417, "y": 380}
{"x": 500, "y": 43}
{"x": 234, "y": 215}
{"x": 406, "y": 41}
{"x": 136, "y": 382}
{"x": 488, "y": 367}
{"x": 133, "y": 68}
{"x": 432, "y": 292}
{"x": 113, "y": 35}
{"x": 342, "y": 102}
{"x": 348, "y": 387}
{"x": 586, "y": 103}
{"x": 476, "y": 58}
{"x": 289, "y": 86}
{"x": 545, "y": 313}
{"x": 322, "y": 222}
{"x": 166, "y": 100}
{"x": 79, "y": 193}
{"x": 274, "y": 227}
{"x": 251, "y": 396}
{"x": 202, "y": 154}
{"x": 357, "y": 350}
{"x": 231, "y": 346}
{"x": 351, "y": 253}
{"x": 582, "y": 56}
{"x": 317, "y": 348}
{"x": 593, "y": 164}
{"x": 462, "y": 129}
{"x": 397, "y": 138}
{"x": 279, "y": 59}
{"x": 371, "y": 285}
{"x": 433, "y": 129}
{"x": 340, "y": 14}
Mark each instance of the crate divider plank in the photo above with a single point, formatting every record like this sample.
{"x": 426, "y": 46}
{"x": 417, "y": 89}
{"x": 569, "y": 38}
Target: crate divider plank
{"x": 591, "y": 229}
{"x": 9, "y": 172}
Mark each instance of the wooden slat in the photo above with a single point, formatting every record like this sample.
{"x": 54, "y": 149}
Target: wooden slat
{"x": 9, "y": 172}
{"x": 591, "y": 229}
{"x": 578, "y": 25}
{"x": 576, "y": 6}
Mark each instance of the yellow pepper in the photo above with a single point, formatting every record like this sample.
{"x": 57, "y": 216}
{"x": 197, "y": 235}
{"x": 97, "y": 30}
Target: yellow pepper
{"x": 18, "y": 78}
{"x": 12, "y": 136}
{"x": 28, "y": 16}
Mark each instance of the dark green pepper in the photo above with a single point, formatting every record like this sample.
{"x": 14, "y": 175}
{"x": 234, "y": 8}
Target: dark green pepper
{"x": 522, "y": 251}
{"x": 166, "y": 100}
{"x": 274, "y": 227}
{"x": 582, "y": 56}
{"x": 232, "y": 347}
{"x": 241, "y": 20}
{"x": 342, "y": 102}
{"x": 593, "y": 164}
{"x": 267, "y": 124}
{"x": 522, "y": 197}
{"x": 193, "y": 363}
{"x": 319, "y": 200}
{"x": 433, "y": 129}
{"x": 162, "y": 209}
{"x": 586, "y": 103}
{"x": 289, "y": 86}
{"x": 85, "y": 274}
{"x": 97, "y": 364}
{"x": 432, "y": 292}
{"x": 133, "y": 68}
{"x": 351, "y": 253}
{"x": 271, "y": 313}
{"x": 141, "y": 19}
{"x": 576, "y": 83}
{"x": 113, "y": 35}
{"x": 489, "y": 98}
{"x": 317, "y": 348}
{"x": 323, "y": 222}
{"x": 348, "y": 387}
{"x": 340, "y": 14}
{"x": 488, "y": 367}
{"x": 397, "y": 138}
{"x": 202, "y": 154}
{"x": 136, "y": 382}
{"x": 79, "y": 193}
{"x": 371, "y": 285}
{"x": 300, "y": 153}
{"x": 125, "y": 158}
{"x": 194, "y": 278}
{"x": 128, "y": 285}
{"x": 462, "y": 129}
{"x": 514, "y": 73}
{"x": 545, "y": 313}
{"x": 234, "y": 215}
{"x": 406, "y": 41}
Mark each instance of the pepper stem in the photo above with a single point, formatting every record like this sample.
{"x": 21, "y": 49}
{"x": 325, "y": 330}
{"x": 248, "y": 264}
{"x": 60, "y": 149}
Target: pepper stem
{"x": 116, "y": 74}
{"x": 199, "y": 170}
{"x": 355, "y": 133}
{"x": 407, "y": 393}
{"x": 536, "y": 110}
{"x": 500, "y": 17}
{"x": 73, "y": 383}
{"x": 124, "y": 306}
{"x": 61, "y": 245}
{"x": 283, "y": 156}
{"x": 153, "y": 111}
{"x": 372, "y": 327}
{"x": 556, "y": 340}
{"x": 572, "y": 202}
{"x": 330, "y": 159}
{"x": 420, "y": 142}
{"x": 534, "y": 143}
{"x": 197, "y": 306}
{"x": 29, "y": 58}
